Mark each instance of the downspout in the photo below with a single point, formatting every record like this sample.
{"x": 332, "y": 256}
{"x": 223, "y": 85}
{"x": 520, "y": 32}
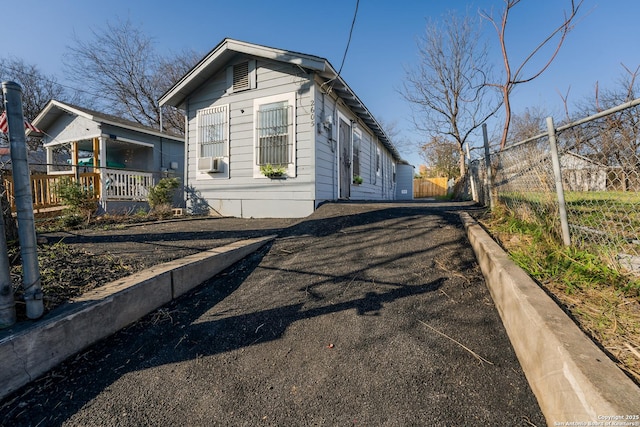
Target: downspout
{"x": 24, "y": 202}
{"x": 185, "y": 167}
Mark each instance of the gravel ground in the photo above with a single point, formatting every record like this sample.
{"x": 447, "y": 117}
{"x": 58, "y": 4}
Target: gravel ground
{"x": 363, "y": 314}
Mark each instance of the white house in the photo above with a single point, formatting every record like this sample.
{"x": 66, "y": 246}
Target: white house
{"x": 580, "y": 173}
{"x": 117, "y": 158}
{"x": 248, "y": 107}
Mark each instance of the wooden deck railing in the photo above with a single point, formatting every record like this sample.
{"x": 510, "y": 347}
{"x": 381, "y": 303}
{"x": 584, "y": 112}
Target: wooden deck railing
{"x": 44, "y": 189}
{"x": 120, "y": 185}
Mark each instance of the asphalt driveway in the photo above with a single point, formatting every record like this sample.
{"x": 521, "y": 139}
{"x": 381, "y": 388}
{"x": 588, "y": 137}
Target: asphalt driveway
{"x": 363, "y": 314}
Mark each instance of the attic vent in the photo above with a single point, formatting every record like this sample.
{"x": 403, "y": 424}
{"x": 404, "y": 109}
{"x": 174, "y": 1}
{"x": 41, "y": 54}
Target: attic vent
{"x": 241, "y": 76}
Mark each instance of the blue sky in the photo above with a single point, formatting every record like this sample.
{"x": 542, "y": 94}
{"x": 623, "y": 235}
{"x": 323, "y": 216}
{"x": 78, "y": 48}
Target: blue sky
{"x": 383, "y": 44}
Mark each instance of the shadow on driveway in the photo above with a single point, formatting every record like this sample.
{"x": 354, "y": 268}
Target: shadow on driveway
{"x": 323, "y": 327}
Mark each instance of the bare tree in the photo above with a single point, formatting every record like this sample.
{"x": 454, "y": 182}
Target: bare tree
{"x": 529, "y": 123}
{"x": 37, "y": 89}
{"x": 613, "y": 140}
{"x": 121, "y": 69}
{"x": 448, "y": 89}
{"x": 517, "y": 74}
{"x": 168, "y": 71}
{"x": 442, "y": 157}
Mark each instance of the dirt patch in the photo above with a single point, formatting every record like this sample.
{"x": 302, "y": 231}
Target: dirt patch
{"x": 76, "y": 261}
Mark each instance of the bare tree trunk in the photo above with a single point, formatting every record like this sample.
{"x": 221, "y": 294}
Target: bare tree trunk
{"x": 10, "y": 224}
{"x": 463, "y": 164}
{"x": 516, "y": 75}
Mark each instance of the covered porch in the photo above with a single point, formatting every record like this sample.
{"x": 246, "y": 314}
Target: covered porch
{"x": 115, "y": 159}
{"x": 126, "y": 175}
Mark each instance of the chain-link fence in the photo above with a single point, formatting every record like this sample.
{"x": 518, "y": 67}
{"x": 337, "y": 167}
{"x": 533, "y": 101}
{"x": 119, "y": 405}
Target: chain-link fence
{"x": 592, "y": 197}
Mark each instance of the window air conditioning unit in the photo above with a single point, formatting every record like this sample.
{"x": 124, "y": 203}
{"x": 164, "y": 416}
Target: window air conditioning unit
{"x": 210, "y": 164}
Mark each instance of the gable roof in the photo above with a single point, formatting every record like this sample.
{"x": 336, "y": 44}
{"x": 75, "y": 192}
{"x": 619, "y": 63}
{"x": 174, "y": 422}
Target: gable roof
{"x": 218, "y": 57}
{"x": 54, "y": 109}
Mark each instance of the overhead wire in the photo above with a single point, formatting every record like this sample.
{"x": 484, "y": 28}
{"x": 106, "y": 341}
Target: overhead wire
{"x": 346, "y": 50}
{"x": 353, "y": 23}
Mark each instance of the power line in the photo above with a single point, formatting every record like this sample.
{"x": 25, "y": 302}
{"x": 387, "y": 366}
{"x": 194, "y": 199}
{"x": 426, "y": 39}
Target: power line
{"x": 353, "y": 23}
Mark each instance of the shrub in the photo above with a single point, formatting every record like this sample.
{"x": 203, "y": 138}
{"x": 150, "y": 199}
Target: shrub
{"x": 162, "y": 193}
{"x": 78, "y": 200}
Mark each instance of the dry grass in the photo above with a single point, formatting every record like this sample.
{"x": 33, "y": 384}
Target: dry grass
{"x": 609, "y": 313}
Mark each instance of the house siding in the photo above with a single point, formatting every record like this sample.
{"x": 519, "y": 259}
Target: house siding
{"x": 236, "y": 186}
{"x": 325, "y": 147}
{"x": 235, "y": 191}
{"x": 374, "y": 187}
{"x": 73, "y": 128}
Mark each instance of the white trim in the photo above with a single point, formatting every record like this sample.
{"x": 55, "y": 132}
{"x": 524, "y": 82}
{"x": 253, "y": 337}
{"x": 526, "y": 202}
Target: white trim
{"x": 223, "y": 52}
{"x": 225, "y": 172}
{"x": 127, "y": 140}
{"x": 251, "y": 76}
{"x": 98, "y": 119}
{"x": 117, "y": 138}
{"x": 290, "y": 98}
{"x": 355, "y": 130}
{"x": 347, "y": 120}
{"x": 57, "y": 141}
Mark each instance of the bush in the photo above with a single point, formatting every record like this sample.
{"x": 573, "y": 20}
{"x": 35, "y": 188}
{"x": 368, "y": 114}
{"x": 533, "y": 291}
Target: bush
{"x": 78, "y": 200}
{"x": 162, "y": 193}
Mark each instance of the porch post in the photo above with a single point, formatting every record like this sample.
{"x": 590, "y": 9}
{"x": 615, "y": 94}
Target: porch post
{"x": 49, "y": 151}
{"x": 102, "y": 161}
{"x": 96, "y": 150}
{"x": 74, "y": 160}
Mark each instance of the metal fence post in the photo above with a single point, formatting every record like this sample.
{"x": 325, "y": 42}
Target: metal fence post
{"x": 557, "y": 173}
{"x": 487, "y": 161}
{"x": 474, "y": 193}
{"x": 7, "y": 302}
{"x": 24, "y": 201}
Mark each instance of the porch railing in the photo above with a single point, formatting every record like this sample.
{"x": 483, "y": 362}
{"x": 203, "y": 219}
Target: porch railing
{"x": 127, "y": 185}
{"x": 119, "y": 184}
{"x": 44, "y": 189}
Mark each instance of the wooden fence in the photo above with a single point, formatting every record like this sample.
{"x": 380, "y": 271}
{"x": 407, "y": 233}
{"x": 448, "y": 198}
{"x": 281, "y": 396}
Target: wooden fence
{"x": 429, "y": 187}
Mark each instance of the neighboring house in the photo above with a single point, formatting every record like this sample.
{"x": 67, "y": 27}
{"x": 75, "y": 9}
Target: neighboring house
{"x": 580, "y": 173}
{"x": 129, "y": 157}
{"x": 250, "y": 107}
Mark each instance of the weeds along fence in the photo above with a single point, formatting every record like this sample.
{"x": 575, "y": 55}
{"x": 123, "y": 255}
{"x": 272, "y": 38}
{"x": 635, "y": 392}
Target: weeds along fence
{"x": 580, "y": 181}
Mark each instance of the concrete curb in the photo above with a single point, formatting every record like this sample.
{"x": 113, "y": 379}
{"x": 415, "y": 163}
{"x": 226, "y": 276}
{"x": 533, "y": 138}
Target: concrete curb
{"x": 31, "y": 352}
{"x": 573, "y": 380}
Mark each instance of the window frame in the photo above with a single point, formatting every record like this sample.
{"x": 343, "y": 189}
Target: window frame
{"x": 290, "y": 99}
{"x": 356, "y": 147}
{"x": 224, "y": 109}
{"x": 251, "y": 76}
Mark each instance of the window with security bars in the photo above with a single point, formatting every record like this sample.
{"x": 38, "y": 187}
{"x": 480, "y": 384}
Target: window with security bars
{"x": 356, "y": 153}
{"x": 274, "y": 124}
{"x": 212, "y": 132}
